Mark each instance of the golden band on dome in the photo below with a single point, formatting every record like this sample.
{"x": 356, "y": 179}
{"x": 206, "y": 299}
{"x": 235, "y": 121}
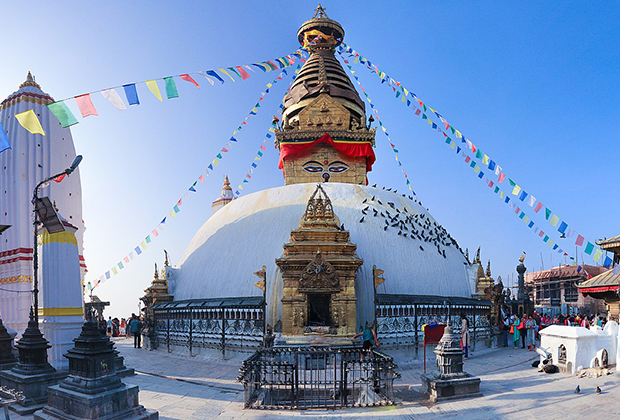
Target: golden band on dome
{"x": 61, "y": 311}
{"x": 16, "y": 279}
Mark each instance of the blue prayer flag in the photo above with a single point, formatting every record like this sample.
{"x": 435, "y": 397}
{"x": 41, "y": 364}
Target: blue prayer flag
{"x": 253, "y": 165}
{"x": 192, "y": 189}
{"x": 607, "y": 262}
{"x": 522, "y": 195}
{"x": 107, "y": 275}
{"x": 132, "y": 94}
{"x": 214, "y": 74}
{"x": 480, "y": 174}
{"x": 138, "y": 250}
{"x": 530, "y": 225}
{"x": 507, "y": 200}
{"x": 260, "y": 67}
{"x": 4, "y": 140}
{"x": 492, "y": 165}
{"x": 562, "y": 228}
{"x": 555, "y": 246}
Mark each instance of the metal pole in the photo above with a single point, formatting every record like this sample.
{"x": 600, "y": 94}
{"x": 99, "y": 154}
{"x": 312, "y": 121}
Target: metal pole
{"x": 415, "y": 329}
{"x": 35, "y": 257}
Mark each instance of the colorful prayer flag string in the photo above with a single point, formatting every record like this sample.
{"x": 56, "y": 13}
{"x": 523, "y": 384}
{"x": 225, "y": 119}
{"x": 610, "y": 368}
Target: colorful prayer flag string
{"x": 374, "y": 110}
{"x": 138, "y": 250}
{"x": 448, "y": 130}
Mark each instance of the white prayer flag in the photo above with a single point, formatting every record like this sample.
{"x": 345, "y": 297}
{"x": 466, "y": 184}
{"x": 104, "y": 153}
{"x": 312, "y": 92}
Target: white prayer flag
{"x": 531, "y": 201}
{"x": 112, "y": 96}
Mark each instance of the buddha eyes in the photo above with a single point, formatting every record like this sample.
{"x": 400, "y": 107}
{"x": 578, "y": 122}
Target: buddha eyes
{"x": 334, "y": 167}
{"x": 313, "y": 167}
{"x": 338, "y": 167}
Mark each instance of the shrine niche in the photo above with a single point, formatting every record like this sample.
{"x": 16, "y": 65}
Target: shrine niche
{"x": 318, "y": 268}
{"x": 325, "y": 112}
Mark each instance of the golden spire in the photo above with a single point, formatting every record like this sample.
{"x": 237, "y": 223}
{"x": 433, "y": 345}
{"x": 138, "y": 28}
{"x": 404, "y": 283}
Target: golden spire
{"x": 156, "y": 275}
{"x": 320, "y": 13}
{"x": 488, "y": 273}
{"x": 30, "y": 82}
{"x": 226, "y": 186}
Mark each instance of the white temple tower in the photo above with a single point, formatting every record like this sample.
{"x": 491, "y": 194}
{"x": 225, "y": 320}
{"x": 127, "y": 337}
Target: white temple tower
{"x": 225, "y": 197}
{"x": 32, "y": 158}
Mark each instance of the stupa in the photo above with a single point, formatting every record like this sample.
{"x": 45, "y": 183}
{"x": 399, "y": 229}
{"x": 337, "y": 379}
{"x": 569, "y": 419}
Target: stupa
{"x": 324, "y": 139}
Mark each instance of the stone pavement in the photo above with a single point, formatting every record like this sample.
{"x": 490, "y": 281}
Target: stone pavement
{"x": 186, "y": 388}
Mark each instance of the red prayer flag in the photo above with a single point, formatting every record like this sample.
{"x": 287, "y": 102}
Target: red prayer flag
{"x": 60, "y": 178}
{"x": 244, "y": 74}
{"x": 418, "y": 112}
{"x": 501, "y": 177}
{"x": 579, "y": 241}
{"x": 539, "y": 206}
{"x": 202, "y": 178}
{"x": 189, "y": 78}
{"x": 541, "y": 234}
{"x": 467, "y": 159}
{"x": 155, "y": 233}
{"x": 86, "y": 105}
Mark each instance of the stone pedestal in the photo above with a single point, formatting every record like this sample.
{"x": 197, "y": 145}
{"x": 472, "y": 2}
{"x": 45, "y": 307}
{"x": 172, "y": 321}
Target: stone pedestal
{"x": 121, "y": 370}
{"x": 450, "y": 382}
{"x": 93, "y": 390}
{"x": 32, "y": 375}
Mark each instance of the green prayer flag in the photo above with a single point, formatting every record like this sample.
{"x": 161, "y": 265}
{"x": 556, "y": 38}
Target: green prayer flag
{"x": 448, "y": 140}
{"x": 472, "y": 164}
{"x": 148, "y": 239}
{"x": 479, "y": 154}
{"x": 260, "y": 153}
{"x": 522, "y": 215}
{"x": 63, "y": 113}
{"x": 589, "y": 248}
{"x": 395, "y": 150}
{"x": 546, "y": 238}
{"x": 496, "y": 190}
{"x": 120, "y": 265}
{"x": 171, "y": 88}
{"x": 452, "y": 128}
{"x": 424, "y": 116}
{"x": 547, "y": 213}
{"x": 219, "y": 156}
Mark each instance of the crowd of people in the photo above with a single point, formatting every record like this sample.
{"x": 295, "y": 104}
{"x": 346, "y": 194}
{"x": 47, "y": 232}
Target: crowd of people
{"x": 130, "y": 327}
{"x": 524, "y": 331}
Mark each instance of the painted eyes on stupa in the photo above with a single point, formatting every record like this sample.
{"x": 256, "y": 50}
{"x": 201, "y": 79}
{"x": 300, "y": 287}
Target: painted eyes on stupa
{"x": 317, "y": 167}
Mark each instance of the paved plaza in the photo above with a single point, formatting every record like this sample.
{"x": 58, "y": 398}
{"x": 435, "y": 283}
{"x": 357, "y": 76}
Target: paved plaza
{"x": 195, "y": 388}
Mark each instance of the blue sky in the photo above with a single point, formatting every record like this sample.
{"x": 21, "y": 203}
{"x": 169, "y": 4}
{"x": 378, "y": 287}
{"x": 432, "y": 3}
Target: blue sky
{"x": 533, "y": 84}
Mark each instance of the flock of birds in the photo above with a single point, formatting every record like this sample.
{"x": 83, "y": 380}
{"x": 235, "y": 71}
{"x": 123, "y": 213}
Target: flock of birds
{"x": 410, "y": 226}
{"x": 578, "y": 390}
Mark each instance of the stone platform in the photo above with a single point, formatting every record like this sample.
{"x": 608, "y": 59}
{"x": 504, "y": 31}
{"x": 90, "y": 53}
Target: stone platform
{"x": 442, "y": 390}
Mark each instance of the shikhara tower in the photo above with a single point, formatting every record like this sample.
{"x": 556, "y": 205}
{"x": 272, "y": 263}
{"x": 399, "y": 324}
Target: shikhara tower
{"x": 34, "y": 157}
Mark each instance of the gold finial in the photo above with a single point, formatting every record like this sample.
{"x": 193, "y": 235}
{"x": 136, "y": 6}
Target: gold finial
{"x": 30, "y": 81}
{"x": 522, "y": 258}
{"x": 166, "y": 262}
{"x": 489, "y": 269}
{"x": 477, "y": 260}
{"x": 262, "y": 275}
{"x": 467, "y": 255}
{"x": 156, "y": 275}
{"x": 319, "y": 13}
{"x": 226, "y": 186}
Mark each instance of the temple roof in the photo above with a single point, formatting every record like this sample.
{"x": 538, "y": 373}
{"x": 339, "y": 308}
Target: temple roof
{"x": 603, "y": 280}
{"x": 609, "y": 243}
{"x": 29, "y": 91}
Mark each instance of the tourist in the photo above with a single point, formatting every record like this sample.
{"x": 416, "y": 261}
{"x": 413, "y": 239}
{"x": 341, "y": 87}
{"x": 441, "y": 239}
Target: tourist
{"x": 136, "y": 327}
{"x": 585, "y": 323}
{"x": 368, "y": 336}
{"x": 516, "y": 334}
{"x": 522, "y": 330}
{"x": 530, "y": 327}
{"x": 123, "y": 327}
{"x": 599, "y": 320}
{"x": 110, "y": 326}
{"x": 505, "y": 329}
{"x": 465, "y": 335}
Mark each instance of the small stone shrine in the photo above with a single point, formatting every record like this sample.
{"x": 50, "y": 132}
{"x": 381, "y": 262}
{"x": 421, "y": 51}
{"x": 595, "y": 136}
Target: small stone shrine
{"x": 450, "y": 382}
{"x": 7, "y": 355}
{"x": 33, "y": 374}
{"x": 93, "y": 390}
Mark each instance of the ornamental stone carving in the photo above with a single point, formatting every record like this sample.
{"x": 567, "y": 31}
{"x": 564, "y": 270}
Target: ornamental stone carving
{"x": 319, "y": 275}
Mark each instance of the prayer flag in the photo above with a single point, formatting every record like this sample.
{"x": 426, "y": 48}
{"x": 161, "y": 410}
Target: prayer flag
{"x": 244, "y": 74}
{"x": 138, "y": 250}
{"x": 589, "y": 248}
{"x": 579, "y": 241}
{"x": 607, "y": 262}
{"x": 214, "y": 74}
{"x": 562, "y": 228}
{"x": 547, "y": 213}
{"x": 171, "y": 88}
{"x": 531, "y": 201}
{"x": 261, "y": 66}
{"x": 485, "y": 160}
{"x": 148, "y": 239}
{"x": 154, "y": 232}
{"x": 554, "y": 220}
{"x": 597, "y": 255}
{"x": 226, "y": 73}
{"x": 501, "y": 177}
{"x": 538, "y": 207}
{"x": 189, "y": 79}
{"x": 114, "y": 98}
{"x": 28, "y": 120}
{"x": 62, "y": 112}
{"x": 152, "y": 85}
{"x": 522, "y": 196}
{"x": 86, "y": 105}
{"x": 131, "y": 94}
{"x": 202, "y": 73}
{"x": 516, "y": 190}
{"x": 492, "y": 165}
{"x": 4, "y": 140}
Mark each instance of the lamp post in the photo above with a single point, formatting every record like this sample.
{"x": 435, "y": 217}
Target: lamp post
{"x": 40, "y": 207}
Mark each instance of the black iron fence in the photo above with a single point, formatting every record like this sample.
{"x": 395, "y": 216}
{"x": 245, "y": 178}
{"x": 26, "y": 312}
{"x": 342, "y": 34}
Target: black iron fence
{"x": 220, "y": 324}
{"x": 302, "y": 378}
{"x": 400, "y": 318}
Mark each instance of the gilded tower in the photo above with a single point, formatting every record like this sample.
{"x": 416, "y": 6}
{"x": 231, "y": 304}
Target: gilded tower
{"x": 324, "y": 135}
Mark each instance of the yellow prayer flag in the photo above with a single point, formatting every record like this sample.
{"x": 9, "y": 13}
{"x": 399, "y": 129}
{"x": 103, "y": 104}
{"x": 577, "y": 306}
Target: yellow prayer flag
{"x": 172, "y": 213}
{"x": 152, "y": 85}
{"x": 404, "y": 98}
{"x": 452, "y": 145}
{"x": 406, "y": 92}
{"x": 216, "y": 162}
{"x": 143, "y": 245}
{"x": 526, "y": 219}
{"x": 597, "y": 255}
{"x": 516, "y": 190}
{"x": 114, "y": 270}
{"x": 550, "y": 243}
{"x": 28, "y": 120}
{"x": 477, "y": 169}
{"x": 269, "y": 85}
{"x": 458, "y": 134}
{"x": 485, "y": 160}
{"x": 226, "y": 73}
{"x": 240, "y": 187}
{"x": 501, "y": 194}
{"x": 554, "y": 220}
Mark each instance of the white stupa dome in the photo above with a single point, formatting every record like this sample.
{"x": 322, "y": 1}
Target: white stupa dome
{"x": 250, "y": 232}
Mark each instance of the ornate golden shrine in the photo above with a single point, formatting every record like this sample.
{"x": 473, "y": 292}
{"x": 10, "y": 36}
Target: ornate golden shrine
{"x": 318, "y": 268}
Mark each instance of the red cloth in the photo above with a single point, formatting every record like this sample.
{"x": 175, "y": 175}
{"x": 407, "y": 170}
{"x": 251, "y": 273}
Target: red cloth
{"x": 353, "y": 149}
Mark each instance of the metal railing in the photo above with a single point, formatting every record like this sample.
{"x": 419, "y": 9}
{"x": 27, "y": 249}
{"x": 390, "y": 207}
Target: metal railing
{"x": 302, "y": 378}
